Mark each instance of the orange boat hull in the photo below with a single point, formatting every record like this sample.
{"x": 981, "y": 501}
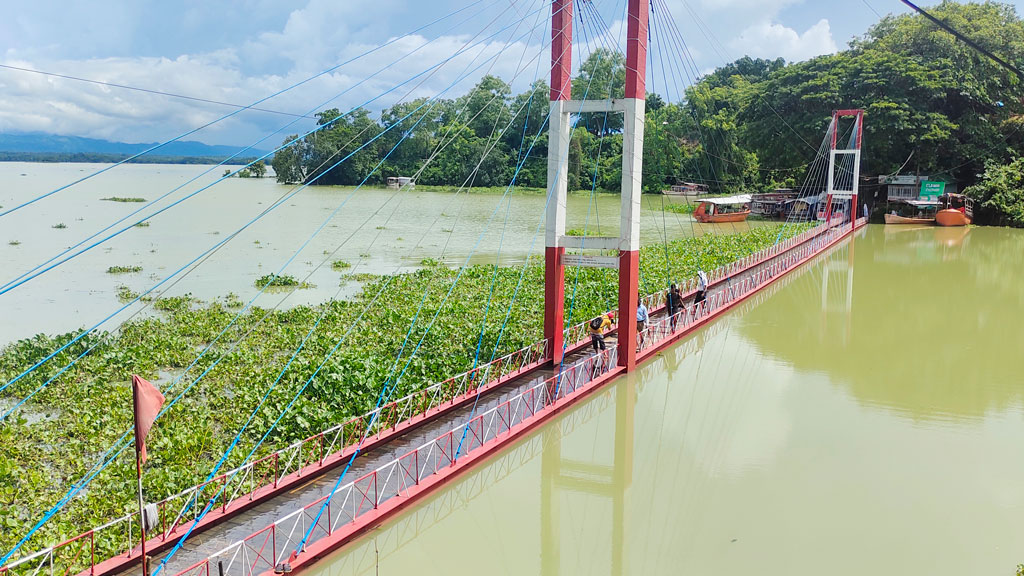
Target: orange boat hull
{"x": 950, "y": 217}
{"x": 721, "y": 218}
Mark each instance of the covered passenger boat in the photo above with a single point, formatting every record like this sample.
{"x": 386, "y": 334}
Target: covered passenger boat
{"x": 728, "y": 209}
{"x": 957, "y": 210}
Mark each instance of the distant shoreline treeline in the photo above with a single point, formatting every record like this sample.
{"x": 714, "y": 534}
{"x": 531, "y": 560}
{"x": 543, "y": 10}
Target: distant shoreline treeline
{"x": 86, "y": 157}
{"x": 933, "y": 105}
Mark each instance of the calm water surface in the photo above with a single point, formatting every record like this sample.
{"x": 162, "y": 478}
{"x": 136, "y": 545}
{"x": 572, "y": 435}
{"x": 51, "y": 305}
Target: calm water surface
{"x": 377, "y": 231}
{"x": 863, "y": 416}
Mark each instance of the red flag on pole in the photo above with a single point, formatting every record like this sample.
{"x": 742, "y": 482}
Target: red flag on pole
{"x": 148, "y": 401}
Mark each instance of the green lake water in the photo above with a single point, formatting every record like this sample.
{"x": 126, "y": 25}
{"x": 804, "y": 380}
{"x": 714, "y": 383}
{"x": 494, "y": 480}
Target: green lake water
{"x": 864, "y": 415}
{"x": 377, "y": 231}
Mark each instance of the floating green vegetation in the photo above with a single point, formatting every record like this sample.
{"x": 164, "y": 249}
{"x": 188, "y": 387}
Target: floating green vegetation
{"x": 123, "y": 199}
{"x": 124, "y": 269}
{"x": 14, "y": 243}
{"x": 126, "y": 294}
{"x": 282, "y": 281}
{"x": 231, "y": 300}
{"x": 39, "y": 458}
{"x": 360, "y": 277}
{"x": 174, "y": 303}
{"x": 340, "y": 265}
{"x": 142, "y": 224}
{"x": 681, "y": 208}
{"x": 59, "y": 226}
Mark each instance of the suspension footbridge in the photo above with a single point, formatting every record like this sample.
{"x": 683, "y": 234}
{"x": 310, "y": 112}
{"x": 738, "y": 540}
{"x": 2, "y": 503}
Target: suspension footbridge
{"x": 283, "y": 509}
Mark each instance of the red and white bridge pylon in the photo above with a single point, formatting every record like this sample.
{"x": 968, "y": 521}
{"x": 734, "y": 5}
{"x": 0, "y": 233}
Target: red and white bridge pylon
{"x": 837, "y": 188}
{"x": 628, "y": 242}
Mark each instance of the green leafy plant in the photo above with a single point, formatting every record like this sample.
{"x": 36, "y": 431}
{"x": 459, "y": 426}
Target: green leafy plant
{"x": 124, "y": 269}
{"x": 282, "y": 281}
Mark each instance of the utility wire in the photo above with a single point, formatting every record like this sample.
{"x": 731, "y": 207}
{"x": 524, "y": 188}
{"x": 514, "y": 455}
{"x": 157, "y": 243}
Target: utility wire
{"x": 226, "y": 116}
{"x": 960, "y": 36}
{"x": 151, "y": 91}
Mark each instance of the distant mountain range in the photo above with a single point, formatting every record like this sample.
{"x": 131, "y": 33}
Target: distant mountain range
{"x": 66, "y": 145}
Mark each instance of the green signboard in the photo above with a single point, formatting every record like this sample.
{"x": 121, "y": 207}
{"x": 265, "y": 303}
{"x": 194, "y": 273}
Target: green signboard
{"x": 932, "y": 190}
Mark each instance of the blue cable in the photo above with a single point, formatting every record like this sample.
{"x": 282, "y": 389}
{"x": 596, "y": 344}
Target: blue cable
{"x": 226, "y": 116}
{"x": 387, "y": 389}
{"x": 319, "y": 319}
{"x": 522, "y": 274}
{"x": 231, "y": 447}
{"x": 137, "y": 298}
{"x": 78, "y": 487}
{"x": 572, "y": 301}
{"x": 22, "y": 278}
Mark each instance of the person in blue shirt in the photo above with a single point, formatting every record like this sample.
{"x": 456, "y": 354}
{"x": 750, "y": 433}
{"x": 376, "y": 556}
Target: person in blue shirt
{"x": 641, "y": 323}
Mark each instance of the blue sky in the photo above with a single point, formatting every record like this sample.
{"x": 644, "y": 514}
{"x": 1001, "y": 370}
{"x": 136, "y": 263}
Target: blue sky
{"x": 242, "y": 50}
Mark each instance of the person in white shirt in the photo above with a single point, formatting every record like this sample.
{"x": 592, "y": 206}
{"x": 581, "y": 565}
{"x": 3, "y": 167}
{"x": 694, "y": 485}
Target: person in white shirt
{"x": 702, "y": 287}
{"x": 641, "y": 323}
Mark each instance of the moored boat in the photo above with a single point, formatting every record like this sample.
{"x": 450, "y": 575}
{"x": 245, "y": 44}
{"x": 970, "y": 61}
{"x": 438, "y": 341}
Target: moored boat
{"x": 911, "y": 211}
{"x": 958, "y": 210}
{"x": 897, "y": 219}
{"x": 686, "y": 189}
{"x": 722, "y": 210}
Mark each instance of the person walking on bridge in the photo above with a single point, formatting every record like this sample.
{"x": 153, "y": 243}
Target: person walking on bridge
{"x": 675, "y": 305}
{"x": 702, "y": 287}
{"x": 702, "y": 292}
{"x": 641, "y": 323}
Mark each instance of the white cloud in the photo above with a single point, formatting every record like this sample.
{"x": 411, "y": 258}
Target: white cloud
{"x": 309, "y": 41}
{"x": 771, "y": 40}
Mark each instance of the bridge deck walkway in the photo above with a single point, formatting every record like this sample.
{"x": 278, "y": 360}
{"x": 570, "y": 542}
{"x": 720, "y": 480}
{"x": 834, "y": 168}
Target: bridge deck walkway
{"x": 202, "y": 545}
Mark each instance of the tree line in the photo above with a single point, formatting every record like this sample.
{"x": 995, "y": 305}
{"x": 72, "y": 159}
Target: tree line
{"x": 932, "y": 106}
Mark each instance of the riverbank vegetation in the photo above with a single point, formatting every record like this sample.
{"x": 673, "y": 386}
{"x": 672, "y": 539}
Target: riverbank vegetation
{"x": 1000, "y": 194}
{"x": 933, "y": 106}
{"x": 65, "y": 428}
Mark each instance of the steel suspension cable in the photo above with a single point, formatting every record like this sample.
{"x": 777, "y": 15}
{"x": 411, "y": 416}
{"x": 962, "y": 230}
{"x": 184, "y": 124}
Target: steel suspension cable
{"x": 226, "y": 116}
{"x": 388, "y": 386}
{"x": 93, "y": 473}
{"x": 26, "y": 276}
{"x": 294, "y": 355}
{"x": 217, "y": 245}
{"x": 354, "y": 455}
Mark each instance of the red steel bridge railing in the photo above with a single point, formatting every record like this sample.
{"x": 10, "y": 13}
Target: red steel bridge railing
{"x": 265, "y": 549}
{"x": 243, "y": 485}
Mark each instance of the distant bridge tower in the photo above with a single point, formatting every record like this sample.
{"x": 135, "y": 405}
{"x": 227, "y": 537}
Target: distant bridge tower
{"x": 845, "y": 184}
{"x": 628, "y": 242}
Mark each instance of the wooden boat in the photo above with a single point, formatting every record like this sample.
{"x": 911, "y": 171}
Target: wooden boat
{"x": 897, "y": 219}
{"x": 951, "y": 217}
{"x": 906, "y": 211}
{"x": 958, "y": 211}
{"x": 722, "y": 210}
{"x": 686, "y": 189}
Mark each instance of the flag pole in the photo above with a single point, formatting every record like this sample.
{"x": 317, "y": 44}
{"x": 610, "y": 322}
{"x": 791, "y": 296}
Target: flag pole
{"x": 138, "y": 470}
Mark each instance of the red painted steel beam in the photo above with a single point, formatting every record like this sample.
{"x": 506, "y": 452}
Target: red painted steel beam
{"x": 629, "y": 296}
{"x": 636, "y": 49}
{"x": 629, "y": 259}
{"x": 646, "y": 354}
{"x": 561, "y": 49}
{"x": 554, "y": 302}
